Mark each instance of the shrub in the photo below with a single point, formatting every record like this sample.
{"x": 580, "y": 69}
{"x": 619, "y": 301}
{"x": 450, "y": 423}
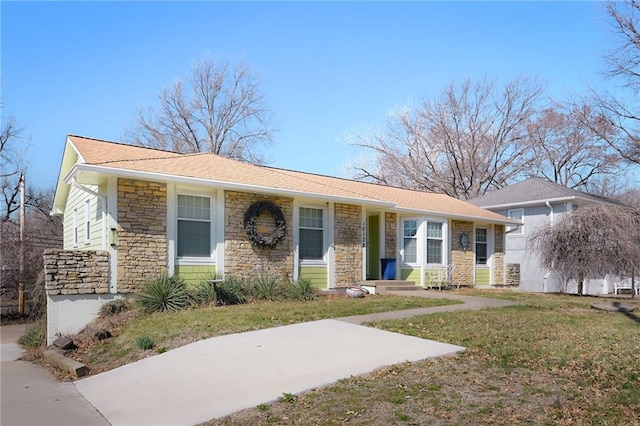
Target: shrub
{"x": 35, "y": 334}
{"x": 303, "y": 289}
{"x": 267, "y": 287}
{"x": 144, "y": 342}
{"x": 163, "y": 294}
{"x": 232, "y": 291}
{"x": 112, "y": 308}
{"x": 203, "y": 293}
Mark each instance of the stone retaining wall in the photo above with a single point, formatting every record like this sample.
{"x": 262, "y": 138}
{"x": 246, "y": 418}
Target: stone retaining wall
{"x": 76, "y": 272}
{"x": 512, "y": 275}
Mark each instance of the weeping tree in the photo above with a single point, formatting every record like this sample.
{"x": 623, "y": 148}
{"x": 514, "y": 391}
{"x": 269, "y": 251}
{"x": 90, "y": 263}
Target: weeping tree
{"x": 591, "y": 241}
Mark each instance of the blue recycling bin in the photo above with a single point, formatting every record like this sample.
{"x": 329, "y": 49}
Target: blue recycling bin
{"x": 388, "y": 269}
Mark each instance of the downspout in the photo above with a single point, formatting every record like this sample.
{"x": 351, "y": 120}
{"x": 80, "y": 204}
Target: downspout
{"x": 545, "y": 279}
{"x": 550, "y": 212}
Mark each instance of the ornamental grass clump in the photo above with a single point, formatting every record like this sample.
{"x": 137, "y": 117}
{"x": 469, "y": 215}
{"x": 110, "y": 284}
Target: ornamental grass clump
{"x": 164, "y": 293}
{"x": 204, "y": 292}
{"x": 268, "y": 287}
{"x": 232, "y": 291}
{"x": 114, "y": 307}
{"x": 302, "y": 289}
{"x": 144, "y": 342}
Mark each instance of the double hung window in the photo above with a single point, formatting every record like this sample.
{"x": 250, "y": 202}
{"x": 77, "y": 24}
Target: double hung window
{"x": 410, "y": 241}
{"x": 194, "y": 226}
{"x": 515, "y": 214}
{"x": 434, "y": 242}
{"x": 311, "y": 234}
{"x": 481, "y": 246}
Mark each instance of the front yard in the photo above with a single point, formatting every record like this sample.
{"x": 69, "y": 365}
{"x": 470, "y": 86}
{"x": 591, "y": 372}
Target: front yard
{"x": 551, "y": 360}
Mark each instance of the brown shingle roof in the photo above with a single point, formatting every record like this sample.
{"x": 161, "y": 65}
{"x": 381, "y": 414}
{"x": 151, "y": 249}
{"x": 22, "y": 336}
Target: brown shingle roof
{"x": 220, "y": 170}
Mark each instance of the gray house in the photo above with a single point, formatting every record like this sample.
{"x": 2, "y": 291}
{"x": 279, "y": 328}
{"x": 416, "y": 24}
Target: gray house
{"x": 538, "y": 202}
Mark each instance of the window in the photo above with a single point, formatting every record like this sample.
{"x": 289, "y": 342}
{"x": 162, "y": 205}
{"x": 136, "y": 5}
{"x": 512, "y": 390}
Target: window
{"x": 311, "y": 234}
{"x": 75, "y": 226}
{"x": 481, "y": 246}
{"x": 434, "y": 242}
{"x": 194, "y": 226}
{"x": 410, "y": 241}
{"x": 515, "y": 214}
{"x": 87, "y": 221}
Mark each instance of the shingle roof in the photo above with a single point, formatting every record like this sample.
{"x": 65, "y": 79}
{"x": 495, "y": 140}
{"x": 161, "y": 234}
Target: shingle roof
{"x": 531, "y": 191}
{"x": 116, "y": 158}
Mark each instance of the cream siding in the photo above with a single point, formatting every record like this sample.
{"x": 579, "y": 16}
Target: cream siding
{"x": 77, "y": 201}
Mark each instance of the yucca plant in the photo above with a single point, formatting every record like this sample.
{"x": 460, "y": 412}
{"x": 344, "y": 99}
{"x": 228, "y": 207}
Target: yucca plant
{"x": 302, "y": 289}
{"x": 164, "y": 293}
{"x": 232, "y": 291}
{"x": 267, "y": 287}
{"x": 204, "y": 292}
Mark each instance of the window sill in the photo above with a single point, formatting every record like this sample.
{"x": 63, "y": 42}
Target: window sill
{"x": 195, "y": 261}
{"x": 316, "y": 263}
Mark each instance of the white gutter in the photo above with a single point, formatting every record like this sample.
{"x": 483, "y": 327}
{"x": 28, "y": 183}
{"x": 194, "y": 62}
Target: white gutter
{"x": 505, "y": 221}
{"x": 550, "y": 212}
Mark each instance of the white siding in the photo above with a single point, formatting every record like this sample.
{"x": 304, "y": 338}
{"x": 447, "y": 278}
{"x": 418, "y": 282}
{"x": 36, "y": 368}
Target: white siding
{"x": 77, "y": 200}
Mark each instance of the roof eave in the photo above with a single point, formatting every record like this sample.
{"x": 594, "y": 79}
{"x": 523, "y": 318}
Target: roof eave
{"x": 220, "y": 184}
{"x": 505, "y": 221}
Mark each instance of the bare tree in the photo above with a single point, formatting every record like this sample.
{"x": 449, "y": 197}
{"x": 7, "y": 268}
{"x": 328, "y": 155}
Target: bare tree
{"x": 568, "y": 152}
{"x": 471, "y": 139}
{"x": 220, "y": 109}
{"x": 619, "y": 114}
{"x": 591, "y": 241}
{"x": 12, "y": 165}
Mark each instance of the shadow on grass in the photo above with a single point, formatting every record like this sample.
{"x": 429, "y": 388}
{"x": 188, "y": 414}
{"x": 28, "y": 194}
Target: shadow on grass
{"x": 626, "y": 312}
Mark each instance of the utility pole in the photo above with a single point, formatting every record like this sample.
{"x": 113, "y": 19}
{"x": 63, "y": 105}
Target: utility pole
{"x": 21, "y": 272}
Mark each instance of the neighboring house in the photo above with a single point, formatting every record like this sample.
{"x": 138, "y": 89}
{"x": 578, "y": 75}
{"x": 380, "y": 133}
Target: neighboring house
{"x": 535, "y": 203}
{"x": 132, "y": 213}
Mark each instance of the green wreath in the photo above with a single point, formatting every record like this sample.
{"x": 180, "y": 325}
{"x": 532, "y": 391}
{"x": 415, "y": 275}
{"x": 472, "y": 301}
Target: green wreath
{"x": 250, "y": 216}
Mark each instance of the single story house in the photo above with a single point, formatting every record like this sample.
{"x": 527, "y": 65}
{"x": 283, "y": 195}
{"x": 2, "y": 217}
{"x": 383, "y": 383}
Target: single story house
{"x": 538, "y": 202}
{"x": 131, "y": 213}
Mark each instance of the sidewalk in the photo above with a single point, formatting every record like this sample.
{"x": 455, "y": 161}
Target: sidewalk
{"x": 30, "y": 395}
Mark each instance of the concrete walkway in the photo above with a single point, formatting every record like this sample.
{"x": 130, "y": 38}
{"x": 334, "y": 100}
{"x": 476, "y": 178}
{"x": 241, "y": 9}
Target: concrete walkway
{"x": 30, "y": 395}
{"x": 218, "y": 376}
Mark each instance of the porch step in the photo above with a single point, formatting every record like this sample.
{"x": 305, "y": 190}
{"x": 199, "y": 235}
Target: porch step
{"x": 385, "y": 286}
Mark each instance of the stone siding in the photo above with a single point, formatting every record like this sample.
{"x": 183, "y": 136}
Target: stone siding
{"x": 348, "y": 244}
{"x": 142, "y": 233}
{"x": 512, "y": 275}
{"x": 243, "y": 259}
{"x": 390, "y": 235}
{"x": 498, "y": 255}
{"x": 462, "y": 260}
{"x": 76, "y": 272}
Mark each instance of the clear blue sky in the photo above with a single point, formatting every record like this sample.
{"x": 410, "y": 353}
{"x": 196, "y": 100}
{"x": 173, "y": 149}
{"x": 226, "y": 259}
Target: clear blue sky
{"x": 327, "y": 68}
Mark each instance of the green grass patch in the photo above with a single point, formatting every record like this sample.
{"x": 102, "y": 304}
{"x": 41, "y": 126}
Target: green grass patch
{"x": 171, "y": 329}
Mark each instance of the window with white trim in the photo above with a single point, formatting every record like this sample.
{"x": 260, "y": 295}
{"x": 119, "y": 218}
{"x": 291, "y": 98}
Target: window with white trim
{"x": 515, "y": 214}
{"x": 75, "y": 226}
{"x": 434, "y": 242}
{"x": 311, "y": 234}
{"x": 481, "y": 246}
{"x": 194, "y": 226}
{"x": 87, "y": 221}
{"x": 410, "y": 241}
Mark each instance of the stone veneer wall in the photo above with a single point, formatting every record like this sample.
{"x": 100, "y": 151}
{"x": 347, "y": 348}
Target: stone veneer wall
{"x": 462, "y": 259}
{"x": 76, "y": 272}
{"x": 498, "y": 255}
{"x": 241, "y": 258}
{"x": 142, "y": 233}
{"x": 348, "y": 244}
{"x": 390, "y": 235}
{"x": 512, "y": 275}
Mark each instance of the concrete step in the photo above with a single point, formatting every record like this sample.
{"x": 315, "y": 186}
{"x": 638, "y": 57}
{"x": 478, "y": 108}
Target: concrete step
{"x": 383, "y": 286}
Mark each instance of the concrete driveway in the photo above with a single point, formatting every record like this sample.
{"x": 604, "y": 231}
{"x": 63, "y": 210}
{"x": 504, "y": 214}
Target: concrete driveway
{"x": 218, "y": 376}
{"x": 30, "y": 395}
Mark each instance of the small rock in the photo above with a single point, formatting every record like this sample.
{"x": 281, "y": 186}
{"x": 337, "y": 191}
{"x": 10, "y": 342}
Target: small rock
{"x": 64, "y": 343}
{"x": 101, "y": 334}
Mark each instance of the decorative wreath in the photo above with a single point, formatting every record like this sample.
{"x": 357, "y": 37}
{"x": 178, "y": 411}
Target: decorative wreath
{"x": 252, "y": 214}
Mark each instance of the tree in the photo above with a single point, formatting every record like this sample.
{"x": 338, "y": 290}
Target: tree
{"x": 220, "y": 109}
{"x": 591, "y": 241}
{"x": 617, "y": 113}
{"x": 12, "y": 165}
{"x": 568, "y": 152}
{"x": 471, "y": 139}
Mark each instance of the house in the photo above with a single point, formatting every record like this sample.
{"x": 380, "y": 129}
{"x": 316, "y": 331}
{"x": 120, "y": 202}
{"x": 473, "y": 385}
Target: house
{"x": 537, "y": 202}
{"x": 132, "y": 213}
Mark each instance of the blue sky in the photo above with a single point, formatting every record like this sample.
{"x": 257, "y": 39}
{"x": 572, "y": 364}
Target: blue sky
{"x": 327, "y": 69}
